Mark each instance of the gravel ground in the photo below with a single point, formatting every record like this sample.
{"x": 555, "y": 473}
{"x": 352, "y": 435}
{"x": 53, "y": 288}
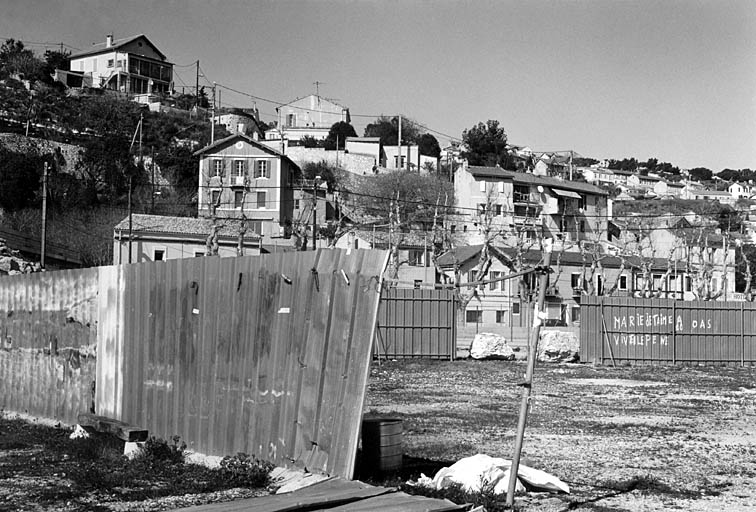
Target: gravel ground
{"x": 625, "y": 439}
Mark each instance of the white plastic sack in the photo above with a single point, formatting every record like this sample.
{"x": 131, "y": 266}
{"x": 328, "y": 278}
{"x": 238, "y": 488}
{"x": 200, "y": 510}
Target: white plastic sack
{"x": 473, "y": 473}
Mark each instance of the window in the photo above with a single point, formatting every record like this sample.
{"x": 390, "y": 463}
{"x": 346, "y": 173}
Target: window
{"x": 497, "y": 210}
{"x": 262, "y": 170}
{"x": 483, "y": 186}
{"x": 217, "y": 168}
{"x": 521, "y": 193}
{"x": 575, "y": 317}
{"x": 501, "y": 186}
{"x": 158, "y": 255}
{"x": 471, "y": 276}
{"x": 198, "y": 254}
{"x": 687, "y": 283}
{"x": 215, "y": 197}
{"x": 481, "y": 209}
{"x": 501, "y": 317}
{"x": 291, "y": 119}
{"x": 416, "y": 257}
{"x": 255, "y": 226}
{"x": 396, "y": 162}
{"x": 473, "y": 316}
{"x": 623, "y": 282}
{"x": 599, "y": 285}
{"x": 261, "y": 199}
{"x": 239, "y": 168}
{"x": 582, "y": 226}
{"x": 111, "y": 63}
{"x": 296, "y": 204}
{"x": 238, "y": 199}
{"x": 417, "y": 283}
{"x": 515, "y": 308}
{"x": 495, "y": 285}
{"x": 576, "y": 281}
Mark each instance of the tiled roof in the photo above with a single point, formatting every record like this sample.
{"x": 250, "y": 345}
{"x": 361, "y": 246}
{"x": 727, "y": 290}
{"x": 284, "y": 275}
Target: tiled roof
{"x": 178, "y": 225}
{"x": 117, "y": 43}
{"x": 250, "y": 140}
{"x": 459, "y": 255}
{"x": 381, "y": 238}
{"x": 532, "y": 179}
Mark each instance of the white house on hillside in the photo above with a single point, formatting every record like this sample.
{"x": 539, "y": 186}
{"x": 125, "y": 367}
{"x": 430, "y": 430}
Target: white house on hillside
{"x": 311, "y": 116}
{"x": 132, "y": 65}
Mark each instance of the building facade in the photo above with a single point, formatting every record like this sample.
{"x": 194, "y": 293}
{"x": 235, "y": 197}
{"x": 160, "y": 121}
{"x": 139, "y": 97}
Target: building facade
{"x": 241, "y": 177}
{"x": 132, "y": 65}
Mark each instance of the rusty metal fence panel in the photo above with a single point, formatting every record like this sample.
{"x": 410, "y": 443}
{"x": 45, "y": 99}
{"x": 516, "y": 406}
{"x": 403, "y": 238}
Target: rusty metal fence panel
{"x": 48, "y": 340}
{"x": 664, "y": 331}
{"x": 267, "y": 355}
{"x": 416, "y": 323}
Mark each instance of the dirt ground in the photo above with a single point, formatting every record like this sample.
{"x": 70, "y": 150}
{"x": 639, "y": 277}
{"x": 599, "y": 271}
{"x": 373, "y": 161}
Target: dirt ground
{"x": 624, "y": 439}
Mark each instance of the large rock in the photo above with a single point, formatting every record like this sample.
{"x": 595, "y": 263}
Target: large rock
{"x": 559, "y": 347}
{"x": 487, "y": 345}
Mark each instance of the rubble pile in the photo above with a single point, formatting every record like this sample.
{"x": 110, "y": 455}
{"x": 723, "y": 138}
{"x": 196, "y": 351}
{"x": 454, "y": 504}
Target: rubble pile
{"x": 11, "y": 262}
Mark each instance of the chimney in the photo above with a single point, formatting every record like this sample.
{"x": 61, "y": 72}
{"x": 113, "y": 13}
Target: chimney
{"x": 108, "y": 40}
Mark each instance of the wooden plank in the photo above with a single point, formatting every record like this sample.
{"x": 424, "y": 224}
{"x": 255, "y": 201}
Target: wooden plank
{"x": 322, "y": 495}
{"x": 399, "y": 502}
{"x": 120, "y": 429}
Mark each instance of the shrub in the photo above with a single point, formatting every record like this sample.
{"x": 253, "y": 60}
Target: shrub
{"x": 243, "y": 470}
{"x": 159, "y": 450}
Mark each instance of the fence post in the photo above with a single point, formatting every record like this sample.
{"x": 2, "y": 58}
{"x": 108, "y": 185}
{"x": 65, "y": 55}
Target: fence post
{"x": 674, "y": 331}
{"x": 742, "y": 336}
{"x": 604, "y": 333}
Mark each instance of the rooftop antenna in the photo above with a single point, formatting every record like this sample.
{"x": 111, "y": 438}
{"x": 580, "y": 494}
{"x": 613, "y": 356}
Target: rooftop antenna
{"x": 317, "y": 87}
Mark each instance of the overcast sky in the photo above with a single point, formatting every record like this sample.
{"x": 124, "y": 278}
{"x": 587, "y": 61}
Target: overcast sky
{"x": 674, "y": 80}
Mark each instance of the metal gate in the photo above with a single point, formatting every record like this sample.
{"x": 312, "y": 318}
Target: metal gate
{"x": 416, "y": 323}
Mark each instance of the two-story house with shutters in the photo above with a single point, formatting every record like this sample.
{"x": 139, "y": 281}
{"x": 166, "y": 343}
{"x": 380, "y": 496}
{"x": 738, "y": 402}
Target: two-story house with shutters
{"x": 522, "y": 205}
{"x": 132, "y": 65}
{"x": 241, "y": 177}
{"x": 311, "y": 116}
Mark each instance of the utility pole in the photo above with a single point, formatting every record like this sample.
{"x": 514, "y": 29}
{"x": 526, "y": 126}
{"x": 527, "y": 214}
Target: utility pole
{"x": 130, "y": 223}
{"x": 527, "y": 385}
{"x": 315, "y": 210}
{"x": 571, "y": 152}
{"x": 196, "y": 90}
{"x": 212, "y": 118}
{"x": 152, "y": 172}
{"x": 399, "y": 146}
{"x": 44, "y": 217}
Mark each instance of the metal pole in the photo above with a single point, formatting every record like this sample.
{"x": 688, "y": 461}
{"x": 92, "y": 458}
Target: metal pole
{"x": 212, "y": 118}
{"x": 44, "y": 217}
{"x": 527, "y": 385}
{"x": 152, "y": 169}
{"x": 130, "y": 224}
{"x": 314, "y": 210}
{"x": 399, "y": 146}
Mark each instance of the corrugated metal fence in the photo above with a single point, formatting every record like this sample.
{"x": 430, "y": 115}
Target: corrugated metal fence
{"x": 263, "y": 354}
{"x": 416, "y": 323}
{"x": 48, "y": 340}
{"x": 665, "y": 331}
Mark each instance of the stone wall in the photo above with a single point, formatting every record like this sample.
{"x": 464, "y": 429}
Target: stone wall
{"x": 21, "y": 144}
{"x": 354, "y": 163}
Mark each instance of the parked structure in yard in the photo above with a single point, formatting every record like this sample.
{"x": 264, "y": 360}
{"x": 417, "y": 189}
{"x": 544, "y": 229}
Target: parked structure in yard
{"x": 161, "y": 238}
{"x": 132, "y": 65}
{"x": 240, "y": 177}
